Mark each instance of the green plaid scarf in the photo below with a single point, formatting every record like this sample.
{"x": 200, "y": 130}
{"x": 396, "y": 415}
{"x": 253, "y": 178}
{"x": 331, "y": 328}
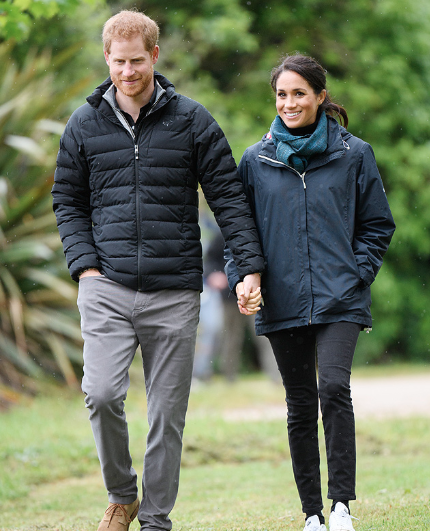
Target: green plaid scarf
{"x": 295, "y": 151}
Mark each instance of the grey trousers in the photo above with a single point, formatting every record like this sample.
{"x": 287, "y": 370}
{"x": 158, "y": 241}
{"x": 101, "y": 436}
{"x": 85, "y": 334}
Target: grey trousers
{"x": 114, "y": 321}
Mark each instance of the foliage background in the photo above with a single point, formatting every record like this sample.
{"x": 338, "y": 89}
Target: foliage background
{"x": 219, "y": 52}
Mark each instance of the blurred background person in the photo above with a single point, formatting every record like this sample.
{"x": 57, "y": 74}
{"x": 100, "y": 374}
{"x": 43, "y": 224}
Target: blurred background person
{"x": 225, "y": 336}
{"x": 211, "y": 307}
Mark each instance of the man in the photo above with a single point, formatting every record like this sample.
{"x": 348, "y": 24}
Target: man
{"x": 126, "y": 202}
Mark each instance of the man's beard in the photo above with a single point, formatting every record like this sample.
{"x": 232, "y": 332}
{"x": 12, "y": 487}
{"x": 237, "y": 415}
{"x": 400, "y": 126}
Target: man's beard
{"x": 132, "y": 91}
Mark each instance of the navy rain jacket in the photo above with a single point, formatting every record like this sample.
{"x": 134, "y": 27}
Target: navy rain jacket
{"x": 323, "y": 233}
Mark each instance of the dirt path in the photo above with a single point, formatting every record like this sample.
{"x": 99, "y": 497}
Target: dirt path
{"x": 394, "y": 396}
{"x": 376, "y": 397}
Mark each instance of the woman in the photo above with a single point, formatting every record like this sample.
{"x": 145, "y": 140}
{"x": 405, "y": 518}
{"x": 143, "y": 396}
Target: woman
{"x": 324, "y": 224}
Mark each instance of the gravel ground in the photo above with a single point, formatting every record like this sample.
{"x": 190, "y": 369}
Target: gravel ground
{"x": 375, "y": 397}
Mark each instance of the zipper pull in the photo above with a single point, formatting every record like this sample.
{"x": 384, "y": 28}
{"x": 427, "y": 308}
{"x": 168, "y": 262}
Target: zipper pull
{"x": 303, "y": 179}
{"x": 136, "y": 151}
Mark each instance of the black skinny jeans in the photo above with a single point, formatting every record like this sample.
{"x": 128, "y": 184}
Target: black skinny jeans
{"x": 297, "y": 351}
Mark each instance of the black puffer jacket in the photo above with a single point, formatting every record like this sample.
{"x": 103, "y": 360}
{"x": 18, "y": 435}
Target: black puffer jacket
{"x": 129, "y": 205}
{"x": 324, "y": 233}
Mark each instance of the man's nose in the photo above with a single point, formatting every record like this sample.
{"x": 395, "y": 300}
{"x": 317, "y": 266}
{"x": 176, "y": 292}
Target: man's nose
{"x": 128, "y": 70}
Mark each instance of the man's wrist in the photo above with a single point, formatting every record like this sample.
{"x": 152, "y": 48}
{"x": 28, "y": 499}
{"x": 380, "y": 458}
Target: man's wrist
{"x": 87, "y": 269}
{"x": 253, "y": 275}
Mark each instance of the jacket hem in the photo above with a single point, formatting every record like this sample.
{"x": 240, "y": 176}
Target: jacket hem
{"x": 263, "y": 329}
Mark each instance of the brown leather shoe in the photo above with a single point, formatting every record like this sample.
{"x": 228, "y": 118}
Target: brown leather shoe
{"x": 119, "y": 517}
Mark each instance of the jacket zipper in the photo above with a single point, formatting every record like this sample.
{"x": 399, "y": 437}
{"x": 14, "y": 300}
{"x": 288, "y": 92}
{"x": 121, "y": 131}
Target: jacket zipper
{"x": 127, "y": 127}
{"x": 302, "y": 177}
{"x": 137, "y": 204}
{"x": 136, "y": 171}
{"x": 139, "y": 231}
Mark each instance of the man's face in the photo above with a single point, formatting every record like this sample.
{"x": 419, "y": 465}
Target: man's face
{"x": 131, "y": 66}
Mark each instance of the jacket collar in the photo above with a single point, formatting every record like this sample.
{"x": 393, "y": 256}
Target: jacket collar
{"x": 109, "y": 96}
{"x": 336, "y": 147}
{"x": 162, "y": 84}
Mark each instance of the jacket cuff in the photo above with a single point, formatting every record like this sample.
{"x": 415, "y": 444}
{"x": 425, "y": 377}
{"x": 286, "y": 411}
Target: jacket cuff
{"x": 366, "y": 277}
{"x": 77, "y": 269}
{"x": 232, "y": 275}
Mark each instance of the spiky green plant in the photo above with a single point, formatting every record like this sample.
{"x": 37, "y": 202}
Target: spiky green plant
{"x": 39, "y": 324}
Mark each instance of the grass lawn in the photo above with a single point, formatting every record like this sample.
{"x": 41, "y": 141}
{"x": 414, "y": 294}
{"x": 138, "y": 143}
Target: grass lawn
{"x": 236, "y": 472}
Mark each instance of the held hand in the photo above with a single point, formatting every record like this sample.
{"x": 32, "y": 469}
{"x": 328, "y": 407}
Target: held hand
{"x": 90, "y": 273}
{"x": 250, "y": 284}
{"x": 253, "y": 304}
{"x": 248, "y": 294}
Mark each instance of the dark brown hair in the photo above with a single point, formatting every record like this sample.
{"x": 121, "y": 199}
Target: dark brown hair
{"x": 315, "y": 75}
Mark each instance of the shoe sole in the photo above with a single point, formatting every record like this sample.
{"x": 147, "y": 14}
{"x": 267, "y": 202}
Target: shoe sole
{"x": 134, "y": 513}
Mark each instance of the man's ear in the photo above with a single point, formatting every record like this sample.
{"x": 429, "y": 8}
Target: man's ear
{"x": 155, "y": 54}
{"x": 106, "y": 57}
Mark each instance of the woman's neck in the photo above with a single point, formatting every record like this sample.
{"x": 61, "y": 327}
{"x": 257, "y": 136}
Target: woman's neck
{"x": 303, "y": 131}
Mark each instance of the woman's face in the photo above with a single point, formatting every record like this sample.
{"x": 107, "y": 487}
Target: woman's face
{"x": 296, "y": 102}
